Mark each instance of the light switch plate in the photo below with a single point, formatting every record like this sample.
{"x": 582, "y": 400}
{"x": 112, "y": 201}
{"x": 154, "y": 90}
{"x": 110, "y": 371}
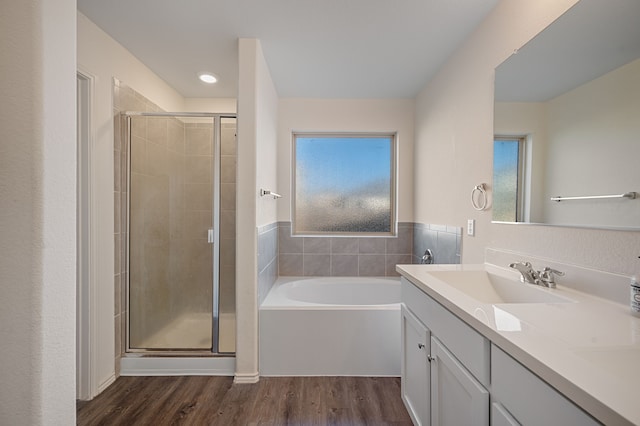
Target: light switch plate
{"x": 471, "y": 227}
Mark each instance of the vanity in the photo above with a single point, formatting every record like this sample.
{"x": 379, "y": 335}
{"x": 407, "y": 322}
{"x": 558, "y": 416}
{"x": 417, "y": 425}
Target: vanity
{"x": 481, "y": 348}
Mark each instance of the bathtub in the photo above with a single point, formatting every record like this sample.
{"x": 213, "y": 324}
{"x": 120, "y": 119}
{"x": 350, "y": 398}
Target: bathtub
{"x": 338, "y": 326}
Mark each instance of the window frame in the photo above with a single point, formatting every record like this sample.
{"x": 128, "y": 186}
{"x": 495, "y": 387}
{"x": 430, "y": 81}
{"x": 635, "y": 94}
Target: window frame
{"x": 393, "y": 201}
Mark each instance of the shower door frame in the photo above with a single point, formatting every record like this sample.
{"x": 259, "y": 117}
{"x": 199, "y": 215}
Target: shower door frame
{"x": 215, "y": 324}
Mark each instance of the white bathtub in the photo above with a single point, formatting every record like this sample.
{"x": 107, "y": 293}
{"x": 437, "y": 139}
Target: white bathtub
{"x": 331, "y": 327}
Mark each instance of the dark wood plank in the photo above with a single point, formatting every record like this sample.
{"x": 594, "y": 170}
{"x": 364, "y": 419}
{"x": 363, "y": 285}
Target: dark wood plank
{"x": 273, "y": 401}
{"x": 206, "y": 405}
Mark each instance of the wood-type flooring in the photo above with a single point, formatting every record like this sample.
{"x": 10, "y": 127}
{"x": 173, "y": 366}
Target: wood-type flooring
{"x": 274, "y": 401}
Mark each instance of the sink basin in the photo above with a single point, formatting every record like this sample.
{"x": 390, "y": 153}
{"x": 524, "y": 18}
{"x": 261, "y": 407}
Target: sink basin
{"x": 487, "y": 287}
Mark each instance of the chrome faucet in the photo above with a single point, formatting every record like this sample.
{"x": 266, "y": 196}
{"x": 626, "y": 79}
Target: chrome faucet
{"x": 545, "y": 278}
{"x": 527, "y": 273}
{"x": 427, "y": 258}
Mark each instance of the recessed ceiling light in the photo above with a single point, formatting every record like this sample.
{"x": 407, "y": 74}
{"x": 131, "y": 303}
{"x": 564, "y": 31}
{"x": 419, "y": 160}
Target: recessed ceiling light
{"x": 207, "y": 77}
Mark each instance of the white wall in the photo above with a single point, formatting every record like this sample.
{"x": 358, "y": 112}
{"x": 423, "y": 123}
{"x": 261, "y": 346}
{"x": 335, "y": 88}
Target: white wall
{"x": 347, "y": 115}
{"x": 257, "y": 117}
{"x": 266, "y": 143}
{"x": 217, "y": 105}
{"x": 38, "y": 210}
{"x": 454, "y": 124}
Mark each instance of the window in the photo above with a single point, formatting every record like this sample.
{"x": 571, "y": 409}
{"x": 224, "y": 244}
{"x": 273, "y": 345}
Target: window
{"x": 508, "y": 178}
{"x": 344, "y": 184}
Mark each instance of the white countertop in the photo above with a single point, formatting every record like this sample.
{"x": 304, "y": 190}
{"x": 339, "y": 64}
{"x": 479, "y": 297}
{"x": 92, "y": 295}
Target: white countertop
{"x": 588, "y": 349}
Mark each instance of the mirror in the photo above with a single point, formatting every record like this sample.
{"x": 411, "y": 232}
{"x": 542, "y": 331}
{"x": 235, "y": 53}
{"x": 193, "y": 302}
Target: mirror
{"x": 567, "y": 122}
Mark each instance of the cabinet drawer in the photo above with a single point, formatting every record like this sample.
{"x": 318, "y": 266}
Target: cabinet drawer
{"x": 466, "y": 344}
{"x": 530, "y": 399}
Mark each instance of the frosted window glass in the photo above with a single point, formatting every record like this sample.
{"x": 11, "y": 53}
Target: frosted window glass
{"x": 506, "y": 155}
{"x": 343, "y": 184}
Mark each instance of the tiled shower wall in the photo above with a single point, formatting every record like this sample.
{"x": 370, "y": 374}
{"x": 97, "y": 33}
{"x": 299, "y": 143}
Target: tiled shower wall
{"x": 281, "y": 254}
{"x": 124, "y": 99}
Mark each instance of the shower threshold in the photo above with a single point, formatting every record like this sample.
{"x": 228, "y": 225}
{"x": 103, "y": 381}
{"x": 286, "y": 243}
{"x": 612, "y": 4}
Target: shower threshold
{"x": 217, "y": 365}
{"x": 181, "y": 333}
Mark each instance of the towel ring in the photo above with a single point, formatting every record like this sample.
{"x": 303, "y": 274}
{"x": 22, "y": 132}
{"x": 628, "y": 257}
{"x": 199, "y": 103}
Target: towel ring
{"x": 481, "y": 204}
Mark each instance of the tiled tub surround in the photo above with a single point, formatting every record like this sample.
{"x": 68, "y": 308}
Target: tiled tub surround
{"x": 364, "y": 256}
{"x": 267, "y": 259}
{"x": 343, "y": 256}
{"x": 281, "y": 254}
{"x": 444, "y": 242}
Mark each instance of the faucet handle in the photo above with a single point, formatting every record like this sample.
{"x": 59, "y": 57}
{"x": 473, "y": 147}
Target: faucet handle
{"x": 551, "y": 271}
{"x": 548, "y": 276}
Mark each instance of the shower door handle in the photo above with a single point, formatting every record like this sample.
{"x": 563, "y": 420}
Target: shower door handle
{"x": 210, "y": 236}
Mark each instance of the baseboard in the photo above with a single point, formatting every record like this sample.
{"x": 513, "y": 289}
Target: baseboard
{"x": 177, "y": 366}
{"x": 246, "y": 378}
{"x": 105, "y": 384}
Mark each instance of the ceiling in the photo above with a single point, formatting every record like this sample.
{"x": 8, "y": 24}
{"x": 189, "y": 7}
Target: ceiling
{"x": 314, "y": 48}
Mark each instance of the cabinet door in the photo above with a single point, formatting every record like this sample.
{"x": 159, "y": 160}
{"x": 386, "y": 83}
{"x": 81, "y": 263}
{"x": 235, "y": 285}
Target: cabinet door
{"x": 501, "y": 417}
{"x": 415, "y": 368}
{"x": 457, "y": 398}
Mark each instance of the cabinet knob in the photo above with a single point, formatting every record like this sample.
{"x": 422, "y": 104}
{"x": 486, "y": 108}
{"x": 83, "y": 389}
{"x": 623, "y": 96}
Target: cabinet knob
{"x": 431, "y": 358}
{"x": 420, "y": 345}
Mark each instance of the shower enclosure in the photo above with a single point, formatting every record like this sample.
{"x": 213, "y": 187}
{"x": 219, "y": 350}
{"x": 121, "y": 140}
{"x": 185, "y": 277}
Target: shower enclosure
{"x": 181, "y": 233}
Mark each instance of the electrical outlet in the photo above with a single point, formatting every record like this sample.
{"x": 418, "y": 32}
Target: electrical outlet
{"x": 471, "y": 227}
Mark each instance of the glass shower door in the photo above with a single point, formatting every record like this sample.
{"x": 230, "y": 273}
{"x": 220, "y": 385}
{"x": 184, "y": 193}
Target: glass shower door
{"x": 171, "y": 212}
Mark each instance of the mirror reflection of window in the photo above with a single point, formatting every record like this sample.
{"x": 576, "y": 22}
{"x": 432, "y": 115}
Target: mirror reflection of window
{"x": 508, "y": 182}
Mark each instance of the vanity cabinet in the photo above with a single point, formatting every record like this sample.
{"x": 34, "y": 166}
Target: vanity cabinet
{"x": 526, "y": 399}
{"x": 453, "y": 375}
{"x": 445, "y": 364}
